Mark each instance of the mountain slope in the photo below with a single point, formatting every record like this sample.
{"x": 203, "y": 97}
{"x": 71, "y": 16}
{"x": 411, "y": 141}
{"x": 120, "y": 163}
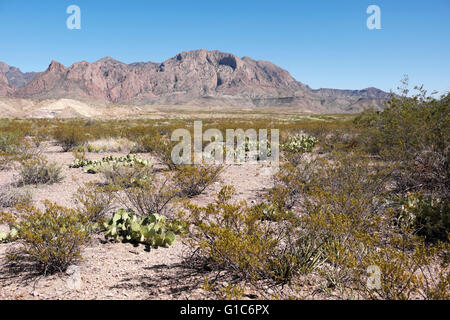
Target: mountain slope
{"x": 197, "y": 77}
{"x": 15, "y": 77}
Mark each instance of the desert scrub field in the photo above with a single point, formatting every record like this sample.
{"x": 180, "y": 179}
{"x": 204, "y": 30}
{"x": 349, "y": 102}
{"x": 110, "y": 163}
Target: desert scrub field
{"x": 359, "y": 209}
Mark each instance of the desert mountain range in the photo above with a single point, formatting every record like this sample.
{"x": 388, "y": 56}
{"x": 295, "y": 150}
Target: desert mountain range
{"x": 200, "y": 78}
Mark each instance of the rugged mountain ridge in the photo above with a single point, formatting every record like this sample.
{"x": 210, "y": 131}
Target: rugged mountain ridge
{"x": 16, "y": 78}
{"x": 197, "y": 77}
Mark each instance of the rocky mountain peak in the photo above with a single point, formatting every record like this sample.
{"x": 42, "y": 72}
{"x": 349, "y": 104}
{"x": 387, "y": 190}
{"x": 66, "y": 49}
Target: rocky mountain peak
{"x": 55, "y": 66}
{"x": 191, "y": 77}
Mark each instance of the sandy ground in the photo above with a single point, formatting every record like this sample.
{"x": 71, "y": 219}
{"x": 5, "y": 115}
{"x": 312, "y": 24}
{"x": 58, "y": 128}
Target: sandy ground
{"x": 117, "y": 270}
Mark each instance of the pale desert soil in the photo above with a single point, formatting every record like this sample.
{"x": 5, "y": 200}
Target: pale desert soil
{"x": 122, "y": 271}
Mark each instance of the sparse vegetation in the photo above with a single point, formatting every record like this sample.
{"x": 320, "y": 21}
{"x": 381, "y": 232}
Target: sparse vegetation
{"x": 149, "y": 196}
{"x": 353, "y": 193}
{"x": 234, "y": 238}
{"x": 95, "y": 166}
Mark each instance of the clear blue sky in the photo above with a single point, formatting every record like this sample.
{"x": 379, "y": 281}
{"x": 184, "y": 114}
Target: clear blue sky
{"x": 322, "y": 43}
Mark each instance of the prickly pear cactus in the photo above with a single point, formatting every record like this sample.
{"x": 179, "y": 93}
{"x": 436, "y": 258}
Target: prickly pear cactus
{"x": 95, "y": 166}
{"x": 150, "y": 230}
{"x": 300, "y": 143}
{"x": 9, "y": 237}
{"x": 3, "y": 237}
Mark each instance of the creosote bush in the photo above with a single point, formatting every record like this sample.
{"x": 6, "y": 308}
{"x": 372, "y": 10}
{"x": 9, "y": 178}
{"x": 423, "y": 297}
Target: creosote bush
{"x": 192, "y": 180}
{"x": 51, "y": 239}
{"x": 345, "y": 205}
{"x": 150, "y": 196}
{"x": 96, "y": 200}
{"x": 69, "y": 136}
{"x": 10, "y": 141}
{"x": 158, "y": 145}
{"x": 413, "y": 133}
{"x": 235, "y": 238}
{"x": 125, "y": 177}
{"x": 38, "y": 170}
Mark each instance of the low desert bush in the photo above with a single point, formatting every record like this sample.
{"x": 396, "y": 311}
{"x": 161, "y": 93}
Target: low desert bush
{"x": 144, "y": 144}
{"x": 37, "y": 170}
{"x": 51, "y": 239}
{"x": 192, "y": 180}
{"x": 290, "y": 182}
{"x": 346, "y": 207}
{"x": 413, "y": 131}
{"x": 158, "y": 145}
{"x": 96, "y": 201}
{"x": 69, "y": 136}
{"x": 235, "y": 238}
{"x": 111, "y": 145}
{"x": 10, "y": 197}
{"x": 10, "y": 141}
{"x": 149, "y": 196}
{"x": 124, "y": 177}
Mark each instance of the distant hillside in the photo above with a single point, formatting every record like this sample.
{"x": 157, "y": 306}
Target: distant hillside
{"x": 197, "y": 77}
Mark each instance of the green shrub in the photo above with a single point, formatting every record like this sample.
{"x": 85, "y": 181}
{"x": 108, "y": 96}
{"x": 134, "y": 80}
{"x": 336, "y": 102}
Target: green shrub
{"x": 347, "y": 211}
{"x": 414, "y": 131}
{"x": 158, "y": 145}
{"x": 192, "y": 180}
{"x": 51, "y": 239}
{"x": 234, "y": 238}
{"x": 149, "y": 196}
{"x": 39, "y": 171}
{"x": 69, "y": 136}
{"x": 96, "y": 201}
{"x": 10, "y": 141}
{"x": 93, "y": 149}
